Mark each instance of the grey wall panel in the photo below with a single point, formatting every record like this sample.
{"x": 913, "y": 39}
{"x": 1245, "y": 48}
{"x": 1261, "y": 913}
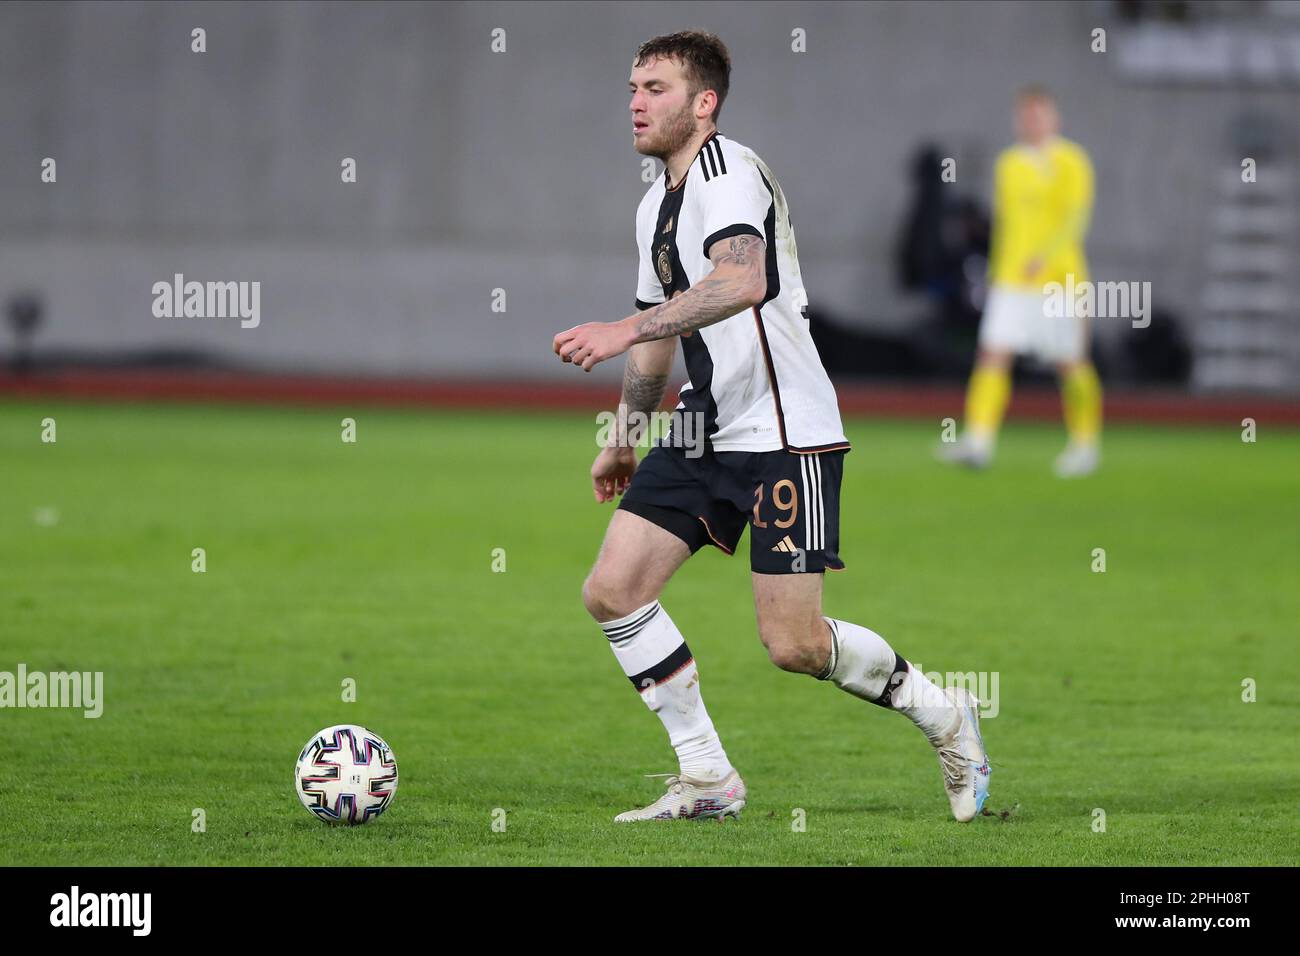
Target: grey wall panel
{"x": 480, "y": 170}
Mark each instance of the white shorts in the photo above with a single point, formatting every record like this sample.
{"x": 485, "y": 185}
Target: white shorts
{"x": 1017, "y": 321}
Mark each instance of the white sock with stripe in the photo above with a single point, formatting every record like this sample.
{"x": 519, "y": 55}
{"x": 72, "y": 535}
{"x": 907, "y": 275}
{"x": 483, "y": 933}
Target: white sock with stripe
{"x": 654, "y": 656}
{"x": 863, "y": 664}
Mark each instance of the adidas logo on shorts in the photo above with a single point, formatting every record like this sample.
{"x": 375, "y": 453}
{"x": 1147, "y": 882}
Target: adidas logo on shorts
{"x": 786, "y": 545}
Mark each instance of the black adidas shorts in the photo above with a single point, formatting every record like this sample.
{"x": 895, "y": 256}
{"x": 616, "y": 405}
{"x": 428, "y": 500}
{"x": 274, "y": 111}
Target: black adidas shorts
{"x": 790, "y": 501}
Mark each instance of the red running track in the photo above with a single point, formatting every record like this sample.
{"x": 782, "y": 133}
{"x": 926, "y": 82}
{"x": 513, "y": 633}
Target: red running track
{"x": 884, "y": 399}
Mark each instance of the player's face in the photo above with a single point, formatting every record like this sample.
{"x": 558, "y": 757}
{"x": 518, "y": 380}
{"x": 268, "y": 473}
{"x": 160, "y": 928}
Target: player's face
{"x": 1036, "y": 120}
{"x": 663, "y": 114}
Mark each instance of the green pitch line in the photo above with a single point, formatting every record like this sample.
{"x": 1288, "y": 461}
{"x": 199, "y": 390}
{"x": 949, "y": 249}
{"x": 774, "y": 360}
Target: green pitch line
{"x": 1119, "y": 691}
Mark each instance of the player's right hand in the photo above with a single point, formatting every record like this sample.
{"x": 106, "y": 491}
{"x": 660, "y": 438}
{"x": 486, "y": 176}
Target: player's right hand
{"x": 611, "y": 472}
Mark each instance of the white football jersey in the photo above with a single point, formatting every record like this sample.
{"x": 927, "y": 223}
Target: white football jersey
{"x": 756, "y": 377}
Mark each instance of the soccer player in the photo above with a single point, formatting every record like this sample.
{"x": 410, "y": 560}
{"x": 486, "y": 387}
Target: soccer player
{"x": 719, "y": 270}
{"x": 1042, "y": 199}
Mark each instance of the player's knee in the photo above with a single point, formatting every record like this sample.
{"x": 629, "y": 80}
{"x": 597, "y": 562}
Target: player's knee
{"x": 790, "y": 652}
{"x": 784, "y": 656}
{"x": 593, "y": 597}
{"x": 606, "y": 599}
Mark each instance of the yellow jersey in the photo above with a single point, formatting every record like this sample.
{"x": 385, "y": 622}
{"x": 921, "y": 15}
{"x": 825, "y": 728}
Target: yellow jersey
{"x": 1042, "y": 201}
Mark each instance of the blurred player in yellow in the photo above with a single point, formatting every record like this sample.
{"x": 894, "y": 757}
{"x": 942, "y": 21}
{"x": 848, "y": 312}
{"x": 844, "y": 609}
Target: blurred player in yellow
{"x": 1042, "y": 200}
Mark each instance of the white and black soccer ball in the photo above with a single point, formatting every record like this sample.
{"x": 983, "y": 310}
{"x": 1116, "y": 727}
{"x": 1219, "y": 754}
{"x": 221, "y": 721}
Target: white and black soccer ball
{"x": 346, "y": 774}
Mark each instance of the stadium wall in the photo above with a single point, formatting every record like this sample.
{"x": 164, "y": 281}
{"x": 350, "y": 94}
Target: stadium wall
{"x": 514, "y": 170}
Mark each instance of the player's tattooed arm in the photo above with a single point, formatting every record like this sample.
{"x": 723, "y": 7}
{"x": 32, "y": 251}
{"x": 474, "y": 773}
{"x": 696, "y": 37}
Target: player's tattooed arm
{"x": 738, "y": 282}
{"x": 645, "y": 378}
{"x": 646, "y": 375}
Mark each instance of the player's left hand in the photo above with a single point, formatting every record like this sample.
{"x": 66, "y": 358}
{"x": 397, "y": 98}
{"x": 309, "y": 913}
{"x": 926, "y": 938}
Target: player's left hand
{"x": 1033, "y": 267}
{"x": 592, "y": 343}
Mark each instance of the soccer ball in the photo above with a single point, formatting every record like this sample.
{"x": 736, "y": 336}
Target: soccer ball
{"x": 346, "y": 774}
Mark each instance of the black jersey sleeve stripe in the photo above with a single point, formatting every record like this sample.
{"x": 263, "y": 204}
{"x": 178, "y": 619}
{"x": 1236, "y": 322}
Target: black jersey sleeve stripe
{"x": 706, "y": 163}
{"x": 736, "y": 229}
{"x": 642, "y": 306}
{"x": 710, "y": 156}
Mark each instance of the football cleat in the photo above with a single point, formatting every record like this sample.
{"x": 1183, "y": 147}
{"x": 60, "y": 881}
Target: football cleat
{"x": 963, "y": 758}
{"x": 965, "y": 451}
{"x": 1077, "y": 461}
{"x": 688, "y": 799}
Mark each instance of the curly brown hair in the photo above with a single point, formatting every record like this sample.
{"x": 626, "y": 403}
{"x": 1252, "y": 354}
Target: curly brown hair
{"x": 703, "y": 57}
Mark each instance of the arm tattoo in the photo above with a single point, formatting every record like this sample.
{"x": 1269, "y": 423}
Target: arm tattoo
{"x": 642, "y": 392}
{"x": 710, "y": 300}
{"x": 738, "y": 251}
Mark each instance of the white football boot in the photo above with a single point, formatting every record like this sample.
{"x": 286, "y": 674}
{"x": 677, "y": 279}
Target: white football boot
{"x": 966, "y": 450}
{"x": 1077, "y": 461}
{"x": 689, "y": 799}
{"x": 963, "y": 758}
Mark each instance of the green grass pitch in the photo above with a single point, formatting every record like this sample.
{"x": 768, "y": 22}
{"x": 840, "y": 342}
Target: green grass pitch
{"x": 1119, "y": 691}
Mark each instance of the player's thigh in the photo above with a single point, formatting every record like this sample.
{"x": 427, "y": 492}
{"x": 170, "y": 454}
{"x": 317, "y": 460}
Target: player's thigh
{"x": 636, "y": 560}
{"x": 789, "y": 610}
{"x": 1060, "y": 339}
{"x": 1069, "y": 345}
{"x": 1009, "y": 321}
{"x": 794, "y": 518}
{"x": 794, "y": 537}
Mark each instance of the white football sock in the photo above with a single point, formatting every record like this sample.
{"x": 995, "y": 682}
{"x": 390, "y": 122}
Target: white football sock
{"x": 654, "y": 656}
{"x": 863, "y": 664}
{"x": 926, "y": 705}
